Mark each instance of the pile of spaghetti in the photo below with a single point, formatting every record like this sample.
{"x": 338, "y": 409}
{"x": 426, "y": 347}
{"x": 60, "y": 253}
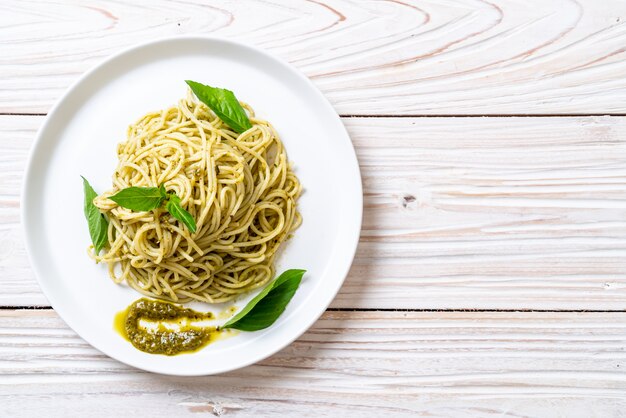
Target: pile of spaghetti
{"x": 239, "y": 188}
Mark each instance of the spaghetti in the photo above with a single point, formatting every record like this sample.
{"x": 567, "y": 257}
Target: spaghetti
{"x": 239, "y": 188}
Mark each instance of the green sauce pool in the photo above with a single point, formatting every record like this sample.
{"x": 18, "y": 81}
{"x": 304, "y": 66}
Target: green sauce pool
{"x": 182, "y": 337}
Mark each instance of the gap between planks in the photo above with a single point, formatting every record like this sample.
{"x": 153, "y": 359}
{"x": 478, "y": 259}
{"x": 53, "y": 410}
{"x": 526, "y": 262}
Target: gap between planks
{"x": 441, "y": 116}
{"x": 49, "y": 308}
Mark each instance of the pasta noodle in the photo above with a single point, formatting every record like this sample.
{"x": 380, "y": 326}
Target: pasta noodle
{"x": 239, "y": 188}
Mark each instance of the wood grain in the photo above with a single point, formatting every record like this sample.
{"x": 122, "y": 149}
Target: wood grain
{"x": 382, "y": 57}
{"x": 466, "y": 213}
{"x": 356, "y": 364}
{"x": 460, "y": 213}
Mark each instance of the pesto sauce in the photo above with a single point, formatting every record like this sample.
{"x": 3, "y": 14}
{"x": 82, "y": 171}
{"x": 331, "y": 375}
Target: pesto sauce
{"x": 187, "y": 338}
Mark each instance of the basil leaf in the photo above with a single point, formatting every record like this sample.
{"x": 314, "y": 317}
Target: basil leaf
{"x": 140, "y": 198}
{"x": 176, "y": 210}
{"x": 96, "y": 221}
{"x": 267, "y": 306}
{"x": 224, "y": 103}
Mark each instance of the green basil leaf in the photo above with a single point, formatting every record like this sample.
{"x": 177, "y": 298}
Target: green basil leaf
{"x": 96, "y": 221}
{"x": 267, "y": 306}
{"x": 224, "y": 103}
{"x": 176, "y": 210}
{"x": 140, "y": 198}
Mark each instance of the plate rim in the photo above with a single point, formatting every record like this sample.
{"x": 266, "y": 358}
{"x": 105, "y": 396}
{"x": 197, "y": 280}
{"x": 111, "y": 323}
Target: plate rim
{"x": 30, "y": 174}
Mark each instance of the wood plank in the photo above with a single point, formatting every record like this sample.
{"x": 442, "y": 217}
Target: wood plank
{"x": 434, "y": 364}
{"x": 468, "y": 213}
{"x": 392, "y": 57}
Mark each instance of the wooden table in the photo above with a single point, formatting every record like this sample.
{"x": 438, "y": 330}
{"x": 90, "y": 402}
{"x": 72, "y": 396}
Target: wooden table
{"x": 490, "y": 279}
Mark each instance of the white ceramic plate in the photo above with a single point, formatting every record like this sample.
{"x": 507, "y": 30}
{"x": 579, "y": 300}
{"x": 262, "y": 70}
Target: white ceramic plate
{"x": 79, "y": 137}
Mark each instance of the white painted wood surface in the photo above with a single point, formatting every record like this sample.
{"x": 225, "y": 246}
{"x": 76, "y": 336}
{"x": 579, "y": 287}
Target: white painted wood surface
{"x": 352, "y": 364}
{"x": 466, "y": 213}
{"x": 374, "y": 57}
